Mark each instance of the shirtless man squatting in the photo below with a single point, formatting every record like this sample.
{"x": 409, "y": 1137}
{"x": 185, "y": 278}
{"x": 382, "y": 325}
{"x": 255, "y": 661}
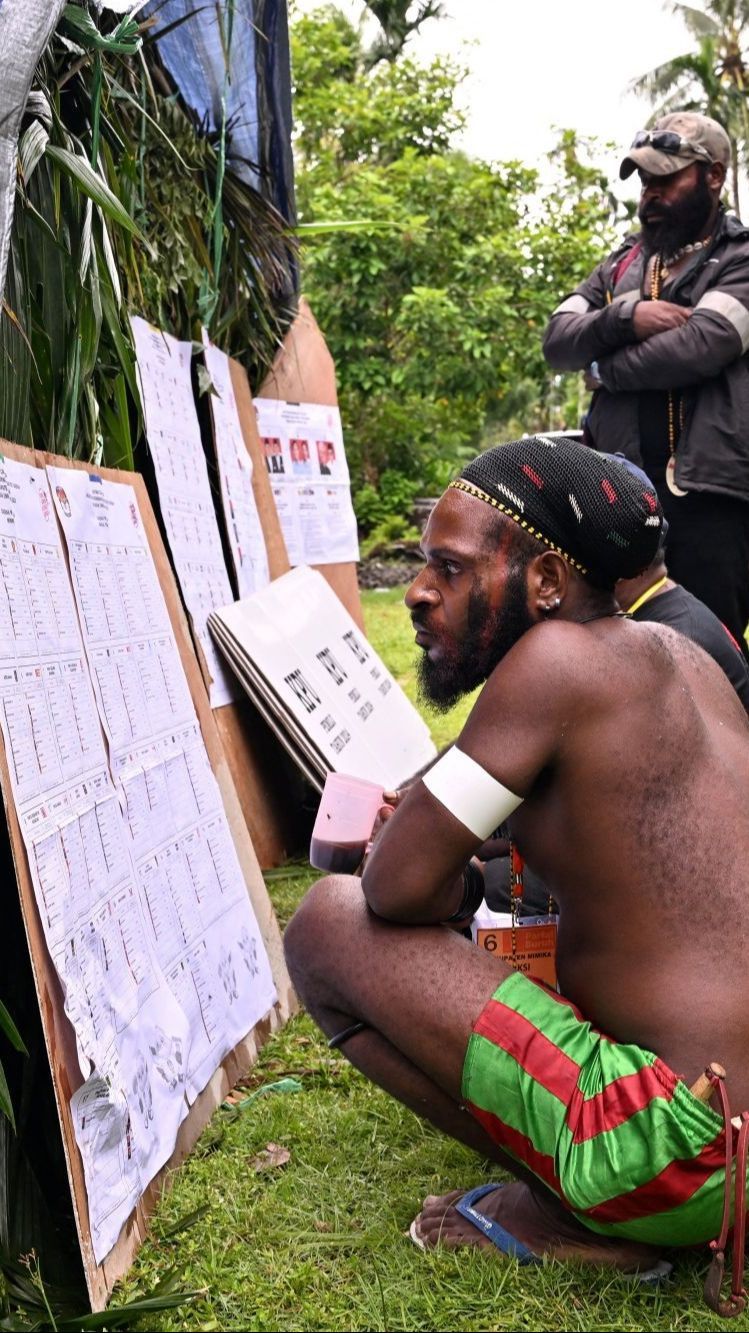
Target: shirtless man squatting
{"x": 619, "y": 754}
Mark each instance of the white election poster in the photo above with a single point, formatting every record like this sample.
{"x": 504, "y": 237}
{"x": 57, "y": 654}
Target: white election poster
{"x": 306, "y": 462}
{"x": 141, "y": 893}
{"x": 245, "y": 533}
{"x": 173, "y": 435}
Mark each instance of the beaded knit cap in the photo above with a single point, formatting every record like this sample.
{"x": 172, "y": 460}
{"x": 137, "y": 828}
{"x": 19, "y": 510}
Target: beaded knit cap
{"x": 584, "y": 505}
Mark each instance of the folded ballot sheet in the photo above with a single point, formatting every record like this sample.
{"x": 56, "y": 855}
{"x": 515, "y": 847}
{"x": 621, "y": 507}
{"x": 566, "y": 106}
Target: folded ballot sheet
{"x": 320, "y": 685}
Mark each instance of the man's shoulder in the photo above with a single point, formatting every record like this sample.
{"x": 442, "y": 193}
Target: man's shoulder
{"x": 733, "y": 229}
{"x": 559, "y": 659}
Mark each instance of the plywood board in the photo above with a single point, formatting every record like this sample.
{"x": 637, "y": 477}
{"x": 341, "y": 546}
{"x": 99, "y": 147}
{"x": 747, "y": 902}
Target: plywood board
{"x": 304, "y": 372}
{"x": 59, "y": 1036}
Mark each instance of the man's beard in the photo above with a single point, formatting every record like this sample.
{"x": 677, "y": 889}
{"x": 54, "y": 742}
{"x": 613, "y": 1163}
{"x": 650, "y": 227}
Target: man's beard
{"x": 680, "y": 223}
{"x": 489, "y": 637}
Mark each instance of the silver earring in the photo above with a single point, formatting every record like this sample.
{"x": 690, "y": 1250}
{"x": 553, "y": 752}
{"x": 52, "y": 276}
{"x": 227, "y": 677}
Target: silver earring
{"x": 557, "y": 603}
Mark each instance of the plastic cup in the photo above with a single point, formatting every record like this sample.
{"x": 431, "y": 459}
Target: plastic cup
{"x": 347, "y": 812}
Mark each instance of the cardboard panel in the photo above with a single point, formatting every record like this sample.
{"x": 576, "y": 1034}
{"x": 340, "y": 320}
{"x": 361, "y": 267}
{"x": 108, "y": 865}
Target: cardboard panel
{"x": 304, "y": 372}
{"x": 59, "y": 1036}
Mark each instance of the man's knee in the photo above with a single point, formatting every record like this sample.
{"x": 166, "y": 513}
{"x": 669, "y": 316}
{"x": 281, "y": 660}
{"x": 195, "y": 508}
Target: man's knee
{"x": 313, "y": 935}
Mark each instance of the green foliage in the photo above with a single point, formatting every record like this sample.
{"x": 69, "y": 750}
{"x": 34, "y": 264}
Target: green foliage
{"x": 434, "y": 313}
{"x": 345, "y": 114}
{"x": 35, "y": 1306}
{"x": 121, "y": 205}
{"x": 11, "y": 1033}
{"x": 390, "y": 530}
{"x": 391, "y": 498}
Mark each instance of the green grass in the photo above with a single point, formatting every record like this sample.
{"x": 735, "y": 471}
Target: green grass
{"x": 321, "y": 1243}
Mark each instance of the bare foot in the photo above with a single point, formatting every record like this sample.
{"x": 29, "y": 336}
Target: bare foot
{"x": 536, "y": 1219}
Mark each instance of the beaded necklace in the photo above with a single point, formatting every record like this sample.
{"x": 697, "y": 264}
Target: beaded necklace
{"x": 667, "y": 263}
{"x": 517, "y": 867}
{"x": 658, "y": 275}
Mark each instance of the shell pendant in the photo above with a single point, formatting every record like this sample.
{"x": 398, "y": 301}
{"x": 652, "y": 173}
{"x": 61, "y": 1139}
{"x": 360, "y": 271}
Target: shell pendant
{"x": 671, "y": 478}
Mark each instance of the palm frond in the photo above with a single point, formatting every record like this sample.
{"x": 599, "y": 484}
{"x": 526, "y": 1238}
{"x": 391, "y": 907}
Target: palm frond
{"x": 697, "y": 21}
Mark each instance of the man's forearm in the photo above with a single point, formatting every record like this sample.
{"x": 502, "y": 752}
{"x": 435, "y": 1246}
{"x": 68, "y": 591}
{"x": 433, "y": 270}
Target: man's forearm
{"x": 578, "y": 334}
{"x": 451, "y": 904}
{"x": 695, "y": 352}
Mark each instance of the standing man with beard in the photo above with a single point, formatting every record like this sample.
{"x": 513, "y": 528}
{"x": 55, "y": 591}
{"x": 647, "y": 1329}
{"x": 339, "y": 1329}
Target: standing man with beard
{"x": 662, "y": 325}
{"x": 620, "y": 758}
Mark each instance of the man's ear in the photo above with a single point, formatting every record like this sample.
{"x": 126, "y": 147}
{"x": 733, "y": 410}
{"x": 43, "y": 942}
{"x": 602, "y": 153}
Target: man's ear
{"x": 716, "y": 176}
{"x": 548, "y": 581}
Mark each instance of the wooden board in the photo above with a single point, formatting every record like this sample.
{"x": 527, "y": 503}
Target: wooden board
{"x": 304, "y": 372}
{"x": 58, "y": 1033}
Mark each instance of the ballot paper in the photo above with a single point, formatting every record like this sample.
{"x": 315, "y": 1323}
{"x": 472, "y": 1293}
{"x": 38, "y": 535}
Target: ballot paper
{"x": 71, "y": 821}
{"x": 242, "y": 522}
{"x": 140, "y": 895}
{"x": 306, "y": 461}
{"x": 304, "y": 660}
{"x": 185, "y": 499}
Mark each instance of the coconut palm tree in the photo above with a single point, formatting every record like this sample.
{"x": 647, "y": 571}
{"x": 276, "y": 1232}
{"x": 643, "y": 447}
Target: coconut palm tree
{"x": 713, "y": 77}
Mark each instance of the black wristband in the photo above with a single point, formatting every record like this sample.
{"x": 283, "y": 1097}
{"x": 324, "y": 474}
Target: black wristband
{"x": 473, "y": 894}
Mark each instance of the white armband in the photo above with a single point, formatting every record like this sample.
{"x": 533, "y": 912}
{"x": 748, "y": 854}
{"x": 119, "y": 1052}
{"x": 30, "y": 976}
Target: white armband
{"x": 470, "y": 793}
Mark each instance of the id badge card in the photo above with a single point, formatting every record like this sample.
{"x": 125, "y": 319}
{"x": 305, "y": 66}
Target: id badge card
{"x": 529, "y": 947}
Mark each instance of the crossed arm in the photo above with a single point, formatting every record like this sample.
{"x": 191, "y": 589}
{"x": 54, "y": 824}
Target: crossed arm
{"x": 651, "y": 344}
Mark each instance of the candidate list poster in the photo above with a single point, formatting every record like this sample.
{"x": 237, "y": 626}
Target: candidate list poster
{"x": 306, "y": 462}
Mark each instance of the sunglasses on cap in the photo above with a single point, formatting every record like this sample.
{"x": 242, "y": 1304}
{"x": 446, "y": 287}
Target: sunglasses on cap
{"x": 668, "y": 141}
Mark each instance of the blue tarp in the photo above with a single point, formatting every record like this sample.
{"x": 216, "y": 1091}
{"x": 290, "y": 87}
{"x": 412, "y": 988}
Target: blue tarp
{"x": 258, "y": 92}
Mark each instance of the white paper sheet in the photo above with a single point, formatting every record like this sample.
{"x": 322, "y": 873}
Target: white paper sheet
{"x": 71, "y": 821}
{"x": 173, "y": 435}
{"x": 242, "y": 521}
{"x": 103, "y": 1132}
{"x": 143, "y": 964}
{"x": 320, "y": 667}
{"x": 306, "y": 462}
{"x": 178, "y": 832}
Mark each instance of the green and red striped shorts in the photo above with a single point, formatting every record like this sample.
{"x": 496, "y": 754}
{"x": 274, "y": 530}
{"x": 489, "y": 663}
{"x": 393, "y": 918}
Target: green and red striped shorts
{"x": 608, "y": 1127}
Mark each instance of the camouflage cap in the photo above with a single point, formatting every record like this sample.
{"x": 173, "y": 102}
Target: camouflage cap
{"x": 674, "y": 142}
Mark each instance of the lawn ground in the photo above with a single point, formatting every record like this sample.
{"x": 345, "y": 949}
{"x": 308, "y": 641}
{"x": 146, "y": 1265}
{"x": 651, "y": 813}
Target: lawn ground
{"x": 320, "y": 1243}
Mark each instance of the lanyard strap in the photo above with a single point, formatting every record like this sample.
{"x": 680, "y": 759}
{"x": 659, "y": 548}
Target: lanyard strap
{"x": 645, "y": 597}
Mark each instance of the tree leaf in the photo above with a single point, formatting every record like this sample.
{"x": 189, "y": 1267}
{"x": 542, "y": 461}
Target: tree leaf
{"x": 124, "y": 41}
{"x": 31, "y": 148}
{"x": 79, "y": 169}
{"x": 6, "y": 1105}
{"x": 272, "y": 1158}
{"x": 11, "y": 1031}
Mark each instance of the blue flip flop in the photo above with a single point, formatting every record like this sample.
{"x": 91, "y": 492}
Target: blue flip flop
{"x": 492, "y": 1230}
{"x": 508, "y": 1244}
{"x": 515, "y": 1249}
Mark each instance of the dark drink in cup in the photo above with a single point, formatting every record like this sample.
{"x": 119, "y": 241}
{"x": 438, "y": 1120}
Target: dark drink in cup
{"x": 343, "y": 826}
{"x": 337, "y": 858}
